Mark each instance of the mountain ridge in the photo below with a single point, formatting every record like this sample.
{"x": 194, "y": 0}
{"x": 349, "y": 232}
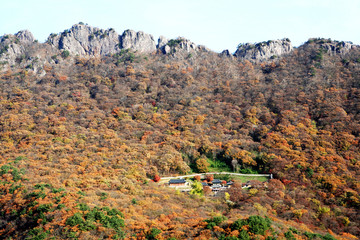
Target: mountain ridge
{"x": 87, "y": 41}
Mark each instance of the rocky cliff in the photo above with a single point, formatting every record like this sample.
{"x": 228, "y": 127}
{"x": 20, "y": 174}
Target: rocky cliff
{"x": 85, "y": 40}
{"x": 263, "y": 51}
{"x": 88, "y": 41}
{"x": 332, "y": 47}
{"x": 180, "y": 47}
{"x": 13, "y": 47}
{"x": 138, "y": 41}
{"x": 25, "y": 36}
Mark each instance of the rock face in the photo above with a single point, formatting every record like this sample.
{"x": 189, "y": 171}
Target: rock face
{"x": 180, "y": 47}
{"x": 332, "y": 47}
{"x": 14, "y": 48}
{"x": 25, "y": 36}
{"x": 22, "y": 50}
{"x": 225, "y": 53}
{"x": 263, "y": 51}
{"x": 162, "y": 41}
{"x": 85, "y": 40}
{"x": 138, "y": 41}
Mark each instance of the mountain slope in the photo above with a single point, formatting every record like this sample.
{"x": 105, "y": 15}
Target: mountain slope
{"x": 97, "y": 120}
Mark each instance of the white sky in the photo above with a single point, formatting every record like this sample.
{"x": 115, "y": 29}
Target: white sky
{"x": 219, "y": 25}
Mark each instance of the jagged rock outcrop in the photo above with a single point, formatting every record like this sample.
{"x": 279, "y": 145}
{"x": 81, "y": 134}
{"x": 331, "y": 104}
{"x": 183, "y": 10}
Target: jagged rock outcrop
{"x": 180, "y": 47}
{"x": 14, "y": 48}
{"x": 162, "y": 41}
{"x": 25, "y": 36}
{"x": 332, "y": 47}
{"x": 263, "y": 51}
{"x": 84, "y": 40}
{"x": 138, "y": 41}
{"x": 225, "y": 53}
{"x": 22, "y": 50}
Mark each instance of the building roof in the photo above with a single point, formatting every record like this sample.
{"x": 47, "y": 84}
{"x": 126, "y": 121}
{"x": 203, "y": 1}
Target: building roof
{"x": 230, "y": 183}
{"x": 216, "y": 181}
{"x": 174, "y": 181}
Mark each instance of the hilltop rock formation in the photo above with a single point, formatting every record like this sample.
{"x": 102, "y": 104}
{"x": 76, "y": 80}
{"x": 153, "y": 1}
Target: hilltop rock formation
{"x": 162, "y": 41}
{"x": 180, "y": 47}
{"x": 138, "y": 41}
{"x": 13, "y": 48}
{"x": 263, "y": 51}
{"x": 332, "y": 47}
{"x": 85, "y": 40}
{"x": 25, "y": 36}
{"x": 225, "y": 53}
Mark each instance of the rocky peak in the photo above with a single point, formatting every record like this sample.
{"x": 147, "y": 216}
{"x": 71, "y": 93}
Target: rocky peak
{"x": 14, "y": 48}
{"x": 225, "y": 53}
{"x": 25, "y": 36}
{"x": 138, "y": 41}
{"x": 264, "y": 50}
{"x": 162, "y": 41}
{"x": 180, "y": 47}
{"x": 332, "y": 47}
{"x": 85, "y": 40}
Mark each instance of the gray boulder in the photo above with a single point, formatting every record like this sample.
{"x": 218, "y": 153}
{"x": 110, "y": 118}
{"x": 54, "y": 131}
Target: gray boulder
{"x": 263, "y": 51}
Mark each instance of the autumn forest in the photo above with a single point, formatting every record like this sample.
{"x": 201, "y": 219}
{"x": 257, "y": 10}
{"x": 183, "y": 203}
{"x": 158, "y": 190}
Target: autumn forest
{"x": 81, "y": 143}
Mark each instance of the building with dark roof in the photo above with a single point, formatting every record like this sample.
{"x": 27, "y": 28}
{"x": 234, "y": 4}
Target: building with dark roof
{"x": 204, "y": 184}
{"x": 177, "y": 182}
{"x": 216, "y": 181}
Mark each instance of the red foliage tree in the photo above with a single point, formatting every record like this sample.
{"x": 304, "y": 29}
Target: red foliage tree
{"x": 156, "y": 178}
{"x": 197, "y": 178}
{"x": 209, "y": 177}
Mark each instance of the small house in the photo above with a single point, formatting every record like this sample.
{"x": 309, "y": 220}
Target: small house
{"x": 177, "y": 182}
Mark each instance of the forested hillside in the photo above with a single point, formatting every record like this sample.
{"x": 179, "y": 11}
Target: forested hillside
{"x": 81, "y": 138}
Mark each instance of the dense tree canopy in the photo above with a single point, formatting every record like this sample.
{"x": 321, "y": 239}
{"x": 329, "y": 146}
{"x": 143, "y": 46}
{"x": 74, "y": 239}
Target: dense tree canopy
{"x": 100, "y": 129}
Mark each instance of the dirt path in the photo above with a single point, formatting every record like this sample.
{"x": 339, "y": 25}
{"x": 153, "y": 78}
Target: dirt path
{"x": 213, "y": 173}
